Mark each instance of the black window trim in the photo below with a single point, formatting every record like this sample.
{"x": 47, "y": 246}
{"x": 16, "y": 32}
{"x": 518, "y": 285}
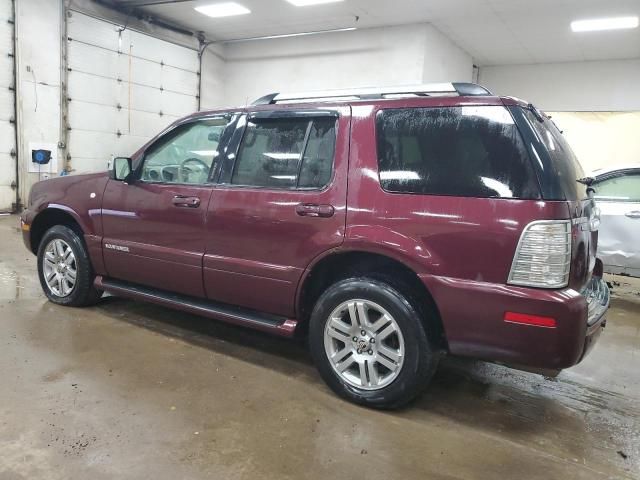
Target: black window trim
{"x": 230, "y": 159}
{"x": 522, "y": 136}
{"x": 171, "y": 130}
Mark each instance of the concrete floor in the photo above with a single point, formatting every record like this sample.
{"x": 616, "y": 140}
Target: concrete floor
{"x": 127, "y": 390}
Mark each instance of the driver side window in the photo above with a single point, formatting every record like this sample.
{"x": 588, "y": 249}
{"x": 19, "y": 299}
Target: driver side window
{"x": 185, "y": 155}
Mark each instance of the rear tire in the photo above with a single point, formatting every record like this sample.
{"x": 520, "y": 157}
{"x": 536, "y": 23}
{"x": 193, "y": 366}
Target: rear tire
{"x": 369, "y": 344}
{"x": 64, "y": 269}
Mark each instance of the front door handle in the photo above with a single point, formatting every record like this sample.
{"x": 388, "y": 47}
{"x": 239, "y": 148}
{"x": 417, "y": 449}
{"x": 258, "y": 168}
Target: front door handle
{"x": 183, "y": 201}
{"x": 634, "y": 214}
{"x": 315, "y": 210}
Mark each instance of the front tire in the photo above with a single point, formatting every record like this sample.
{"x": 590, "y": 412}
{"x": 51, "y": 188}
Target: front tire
{"x": 64, "y": 268}
{"x": 369, "y": 344}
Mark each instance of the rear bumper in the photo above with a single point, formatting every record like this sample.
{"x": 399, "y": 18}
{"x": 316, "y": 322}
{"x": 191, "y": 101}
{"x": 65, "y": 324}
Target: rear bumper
{"x": 473, "y": 316}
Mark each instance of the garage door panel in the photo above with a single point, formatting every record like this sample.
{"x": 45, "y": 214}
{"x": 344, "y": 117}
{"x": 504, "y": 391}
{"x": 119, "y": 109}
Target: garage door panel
{"x": 128, "y": 144}
{"x": 86, "y": 58}
{"x": 7, "y": 175}
{"x": 177, "y": 104}
{"x": 161, "y": 51}
{"x": 7, "y": 110}
{"x": 145, "y": 99}
{"x": 179, "y": 80}
{"x": 90, "y": 88}
{"x": 5, "y": 10}
{"x": 6, "y": 37}
{"x": 6, "y": 70}
{"x": 93, "y": 150}
{"x": 7, "y": 137}
{"x": 142, "y": 71}
{"x": 91, "y": 116}
{"x": 143, "y": 124}
{"x": 169, "y": 103}
{"x": 96, "y": 32}
{"x": 100, "y": 146}
{"x": 96, "y": 146}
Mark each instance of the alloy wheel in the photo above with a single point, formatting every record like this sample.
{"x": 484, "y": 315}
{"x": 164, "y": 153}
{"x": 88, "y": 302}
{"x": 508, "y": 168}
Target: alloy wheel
{"x": 59, "y": 267}
{"x": 364, "y": 344}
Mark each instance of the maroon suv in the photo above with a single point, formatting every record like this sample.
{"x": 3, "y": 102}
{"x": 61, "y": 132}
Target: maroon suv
{"x": 390, "y": 226}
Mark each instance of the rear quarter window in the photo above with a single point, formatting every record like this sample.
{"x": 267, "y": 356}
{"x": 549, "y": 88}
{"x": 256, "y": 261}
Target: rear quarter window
{"x": 473, "y": 151}
{"x": 566, "y": 167}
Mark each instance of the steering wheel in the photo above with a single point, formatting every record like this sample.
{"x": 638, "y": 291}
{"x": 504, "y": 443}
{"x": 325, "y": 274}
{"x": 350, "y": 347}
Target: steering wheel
{"x": 184, "y": 169}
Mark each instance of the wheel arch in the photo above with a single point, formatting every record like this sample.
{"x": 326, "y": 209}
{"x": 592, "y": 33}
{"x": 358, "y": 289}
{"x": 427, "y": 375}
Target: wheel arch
{"x": 49, "y": 217}
{"x": 337, "y": 265}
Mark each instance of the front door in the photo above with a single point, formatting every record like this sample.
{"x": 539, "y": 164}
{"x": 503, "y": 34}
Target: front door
{"x": 154, "y": 225}
{"x": 618, "y": 197}
{"x": 280, "y": 203}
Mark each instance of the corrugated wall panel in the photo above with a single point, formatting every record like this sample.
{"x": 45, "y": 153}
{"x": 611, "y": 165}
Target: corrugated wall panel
{"x": 108, "y": 70}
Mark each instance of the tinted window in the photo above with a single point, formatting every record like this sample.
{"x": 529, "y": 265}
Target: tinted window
{"x": 317, "y": 163}
{"x": 566, "y": 166}
{"x": 462, "y": 151}
{"x": 184, "y": 155}
{"x": 286, "y": 153}
{"x": 625, "y": 188}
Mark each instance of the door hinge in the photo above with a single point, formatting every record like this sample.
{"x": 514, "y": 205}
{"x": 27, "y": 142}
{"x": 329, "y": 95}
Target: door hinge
{"x": 13, "y": 153}
{"x": 14, "y": 185}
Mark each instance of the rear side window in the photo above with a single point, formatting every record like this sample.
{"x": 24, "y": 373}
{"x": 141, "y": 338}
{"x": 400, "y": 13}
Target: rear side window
{"x": 286, "y": 153}
{"x": 461, "y": 151}
{"x": 565, "y": 164}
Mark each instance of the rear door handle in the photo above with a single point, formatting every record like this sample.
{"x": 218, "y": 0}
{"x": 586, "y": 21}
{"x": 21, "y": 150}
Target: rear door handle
{"x": 315, "y": 210}
{"x": 634, "y": 214}
{"x": 183, "y": 201}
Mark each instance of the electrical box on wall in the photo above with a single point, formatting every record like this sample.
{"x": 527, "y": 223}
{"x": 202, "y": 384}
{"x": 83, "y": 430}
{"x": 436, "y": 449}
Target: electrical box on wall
{"x": 44, "y": 158}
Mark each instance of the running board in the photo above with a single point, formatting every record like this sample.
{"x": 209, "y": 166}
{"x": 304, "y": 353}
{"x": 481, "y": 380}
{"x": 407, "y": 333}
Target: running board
{"x": 218, "y": 311}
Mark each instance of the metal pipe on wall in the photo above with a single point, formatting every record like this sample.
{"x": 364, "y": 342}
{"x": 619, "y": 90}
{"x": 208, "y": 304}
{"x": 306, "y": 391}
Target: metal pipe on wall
{"x": 64, "y": 76}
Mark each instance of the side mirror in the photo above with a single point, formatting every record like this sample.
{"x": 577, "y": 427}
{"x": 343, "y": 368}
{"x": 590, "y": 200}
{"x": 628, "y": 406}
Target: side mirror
{"x": 122, "y": 169}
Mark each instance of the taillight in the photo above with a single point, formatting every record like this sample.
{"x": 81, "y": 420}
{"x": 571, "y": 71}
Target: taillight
{"x": 543, "y": 256}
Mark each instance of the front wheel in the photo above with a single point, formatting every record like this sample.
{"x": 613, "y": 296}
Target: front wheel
{"x": 64, "y": 268}
{"x": 369, "y": 343}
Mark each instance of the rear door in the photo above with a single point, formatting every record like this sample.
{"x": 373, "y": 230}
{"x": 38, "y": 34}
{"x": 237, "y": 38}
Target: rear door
{"x": 618, "y": 197}
{"x": 280, "y": 203}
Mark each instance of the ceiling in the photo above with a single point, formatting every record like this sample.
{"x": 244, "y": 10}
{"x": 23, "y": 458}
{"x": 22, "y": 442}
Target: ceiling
{"x": 494, "y": 32}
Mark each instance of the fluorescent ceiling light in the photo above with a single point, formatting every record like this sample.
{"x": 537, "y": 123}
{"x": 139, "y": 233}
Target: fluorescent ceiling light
{"x": 599, "y": 24}
{"x": 225, "y": 9}
{"x": 306, "y": 3}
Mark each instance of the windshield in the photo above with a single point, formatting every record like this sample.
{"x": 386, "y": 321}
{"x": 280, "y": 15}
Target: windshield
{"x": 566, "y": 166}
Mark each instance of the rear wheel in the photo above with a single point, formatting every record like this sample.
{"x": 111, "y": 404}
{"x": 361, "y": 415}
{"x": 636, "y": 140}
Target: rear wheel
{"x": 64, "y": 268}
{"x": 369, "y": 343}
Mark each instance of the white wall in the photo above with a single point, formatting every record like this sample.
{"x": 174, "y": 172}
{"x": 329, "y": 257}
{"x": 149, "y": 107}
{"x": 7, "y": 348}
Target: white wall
{"x": 408, "y": 54}
{"x": 212, "y": 93}
{"x": 38, "y": 81}
{"x": 602, "y": 139}
{"x": 574, "y": 87}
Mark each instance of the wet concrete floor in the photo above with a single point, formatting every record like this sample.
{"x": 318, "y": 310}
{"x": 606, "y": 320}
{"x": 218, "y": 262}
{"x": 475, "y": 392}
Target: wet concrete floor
{"x": 130, "y": 391}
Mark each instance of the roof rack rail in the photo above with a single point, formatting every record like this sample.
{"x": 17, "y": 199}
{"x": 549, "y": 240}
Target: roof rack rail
{"x": 369, "y": 93}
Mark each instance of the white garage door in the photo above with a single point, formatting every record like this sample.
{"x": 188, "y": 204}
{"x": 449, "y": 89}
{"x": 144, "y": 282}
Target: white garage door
{"x": 124, "y": 87}
{"x": 7, "y": 109}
